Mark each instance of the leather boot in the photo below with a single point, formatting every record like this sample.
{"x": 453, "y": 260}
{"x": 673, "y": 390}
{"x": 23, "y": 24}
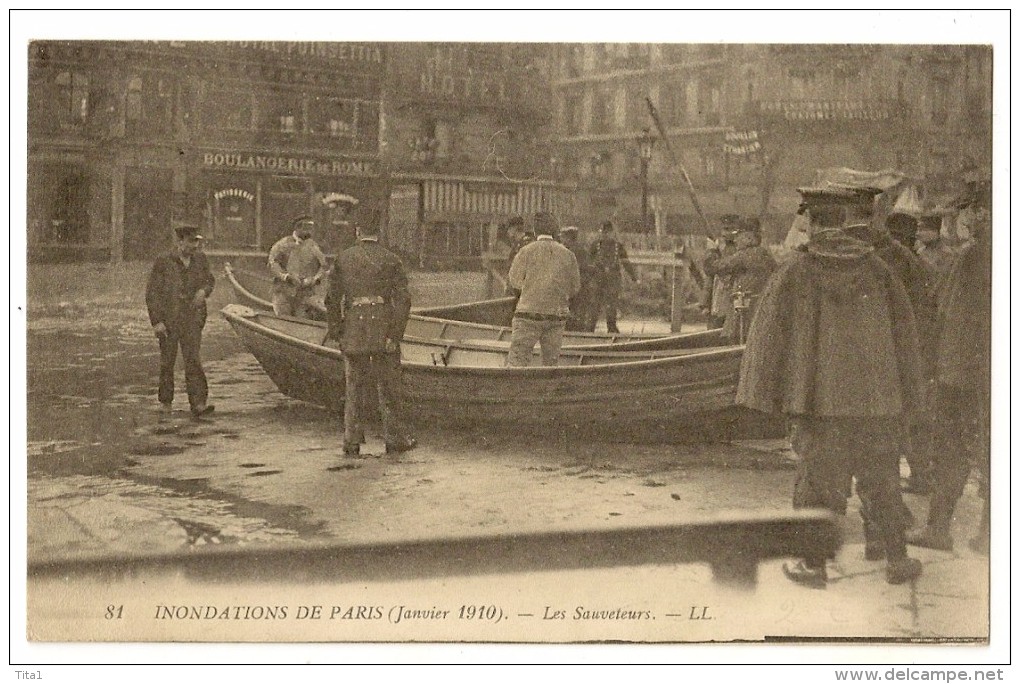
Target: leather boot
{"x": 808, "y": 572}
{"x": 935, "y": 535}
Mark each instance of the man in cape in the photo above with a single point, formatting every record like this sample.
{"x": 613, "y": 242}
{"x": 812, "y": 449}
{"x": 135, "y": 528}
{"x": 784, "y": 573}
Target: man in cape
{"x": 833, "y": 346}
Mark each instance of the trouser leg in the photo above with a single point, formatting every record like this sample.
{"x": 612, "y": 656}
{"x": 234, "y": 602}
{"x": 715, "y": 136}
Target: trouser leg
{"x": 823, "y": 479}
{"x": 283, "y": 304}
{"x": 167, "y": 360}
{"x": 951, "y": 462}
{"x": 524, "y": 334}
{"x": 194, "y": 374}
{"x": 875, "y": 446}
{"x": 356, "y": 373}
{"x": 386, "y": 368}
{"x": 612, "y": 300}
{"x": 551, "y": 339}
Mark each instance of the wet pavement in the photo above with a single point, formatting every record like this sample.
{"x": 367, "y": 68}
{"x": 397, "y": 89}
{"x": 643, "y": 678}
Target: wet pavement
{"x": 107, "y": 473}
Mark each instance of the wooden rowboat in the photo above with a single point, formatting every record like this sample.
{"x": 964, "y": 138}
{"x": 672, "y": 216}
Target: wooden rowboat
{"x": 480, "y": 322}
{"x": 456, "y": 383}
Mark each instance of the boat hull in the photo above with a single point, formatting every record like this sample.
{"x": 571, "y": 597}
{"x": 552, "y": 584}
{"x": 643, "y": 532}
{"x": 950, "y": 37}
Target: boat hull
{"x": 619, "y": 394}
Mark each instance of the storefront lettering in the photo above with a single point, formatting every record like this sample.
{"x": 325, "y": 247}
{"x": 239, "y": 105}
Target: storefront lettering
{"x": 333, "y": 167}
{"x": 347, "y": 52}
{"x": 234, "y": 192}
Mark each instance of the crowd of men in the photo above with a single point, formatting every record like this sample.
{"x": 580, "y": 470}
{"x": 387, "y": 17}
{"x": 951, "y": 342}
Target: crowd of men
{"x": 869, "y": 350}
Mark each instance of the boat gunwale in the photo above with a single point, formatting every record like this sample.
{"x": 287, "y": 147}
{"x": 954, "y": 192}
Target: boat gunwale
{"x": 718, "y": 353}
{"x": 423, "y": 313}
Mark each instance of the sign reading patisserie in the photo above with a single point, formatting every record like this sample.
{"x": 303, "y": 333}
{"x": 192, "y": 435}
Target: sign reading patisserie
{"x": 289, "y": 165}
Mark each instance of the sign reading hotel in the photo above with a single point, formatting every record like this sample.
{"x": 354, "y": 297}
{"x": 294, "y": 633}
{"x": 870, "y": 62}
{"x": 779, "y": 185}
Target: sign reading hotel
{"x": 289, "y": 165}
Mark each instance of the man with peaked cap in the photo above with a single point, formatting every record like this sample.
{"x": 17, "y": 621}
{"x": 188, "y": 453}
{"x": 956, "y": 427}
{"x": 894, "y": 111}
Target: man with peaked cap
{"x": 367, "y": 307}
{"x": 607, "y": 257}
{"x": 833, "y": 346}
{"x": 745, "y": 268}
{"x": 962, "y": 395}
{"x": 175, "y": 295}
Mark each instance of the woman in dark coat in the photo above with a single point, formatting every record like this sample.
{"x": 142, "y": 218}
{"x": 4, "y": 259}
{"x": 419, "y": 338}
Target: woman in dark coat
{"x": 834, "y": 347}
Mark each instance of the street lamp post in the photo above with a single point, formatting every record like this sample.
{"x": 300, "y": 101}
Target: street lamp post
{"x": 645, "y": 143}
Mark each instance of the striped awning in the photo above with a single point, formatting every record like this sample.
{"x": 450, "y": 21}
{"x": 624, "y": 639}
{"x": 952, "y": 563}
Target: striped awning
{"x": 485, "y": 198}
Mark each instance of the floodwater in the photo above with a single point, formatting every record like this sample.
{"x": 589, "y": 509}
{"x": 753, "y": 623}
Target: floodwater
{"x": 268, "y": 469}
{"x": 108, "y": 474}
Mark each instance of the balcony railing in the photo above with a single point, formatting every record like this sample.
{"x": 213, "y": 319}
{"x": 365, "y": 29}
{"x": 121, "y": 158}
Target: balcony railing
{"x": 829, "y": 110}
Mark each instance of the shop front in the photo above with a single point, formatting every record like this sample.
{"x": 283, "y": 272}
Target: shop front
{"x": 458, "y": 218}
{"x": 251, "y": 198}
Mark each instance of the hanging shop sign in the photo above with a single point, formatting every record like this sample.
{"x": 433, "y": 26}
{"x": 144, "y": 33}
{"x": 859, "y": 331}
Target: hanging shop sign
{"x": 234, "y": 192}
{"x": 289, "y": 165}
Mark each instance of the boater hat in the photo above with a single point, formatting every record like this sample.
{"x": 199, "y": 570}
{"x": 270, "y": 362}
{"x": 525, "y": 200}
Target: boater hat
{"x": 186, "y": 231}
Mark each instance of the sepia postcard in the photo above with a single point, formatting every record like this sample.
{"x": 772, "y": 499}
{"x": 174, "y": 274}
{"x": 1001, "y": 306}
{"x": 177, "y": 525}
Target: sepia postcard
{"x": 676, "y": 337}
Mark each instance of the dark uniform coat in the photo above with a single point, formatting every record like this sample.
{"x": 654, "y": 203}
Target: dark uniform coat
{"x": 834, "y": 336}
{"x": 367, "y": 305}
{"x": 367, "y": 271}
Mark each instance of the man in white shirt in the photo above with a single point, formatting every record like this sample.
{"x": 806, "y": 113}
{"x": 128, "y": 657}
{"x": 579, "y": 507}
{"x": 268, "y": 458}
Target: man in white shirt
{"x": 547, "y": 276}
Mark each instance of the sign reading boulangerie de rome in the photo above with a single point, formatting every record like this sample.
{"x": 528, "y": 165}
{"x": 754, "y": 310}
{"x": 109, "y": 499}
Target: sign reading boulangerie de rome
{"x": 286, "y": 164}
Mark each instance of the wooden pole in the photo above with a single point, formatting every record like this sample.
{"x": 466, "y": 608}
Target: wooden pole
{"x": 678, "y": 166}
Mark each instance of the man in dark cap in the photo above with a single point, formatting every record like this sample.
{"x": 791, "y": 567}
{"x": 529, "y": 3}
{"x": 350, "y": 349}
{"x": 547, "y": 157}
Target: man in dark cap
{"x": 367, "y": 307}
{"x": 833, "y": 346}
{"x": 175, "y": 295}
{"x": 607, "y": 257}
{"x": 962, "y": 395}
{"x": 582, "y": 309}
{"x": 746, "y": 268}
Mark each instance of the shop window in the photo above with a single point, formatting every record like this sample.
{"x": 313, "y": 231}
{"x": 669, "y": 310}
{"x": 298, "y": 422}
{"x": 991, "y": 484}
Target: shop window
{"x": 72, "y": 98}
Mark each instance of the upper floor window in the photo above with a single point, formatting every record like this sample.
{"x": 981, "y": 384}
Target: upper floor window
{"x": 72, "y": 98}
{"x": 133, "y": 99}
{"x": 148, "y": 103}
{"x": 333, "y": 117}
{"x": 227, "y": 108}
{"x": 280, "y": 111}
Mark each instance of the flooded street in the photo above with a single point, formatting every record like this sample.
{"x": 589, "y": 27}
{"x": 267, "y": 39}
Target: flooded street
{"x": 107, "y": 474}
{"x": 268, "y": 468}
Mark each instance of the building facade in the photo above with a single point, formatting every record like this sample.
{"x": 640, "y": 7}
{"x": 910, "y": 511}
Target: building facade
{"x": 750, "y": 123}
{"x": 128, "y": 138}
{"x": 465, "y": 132}
{"x": 436, "y": 141}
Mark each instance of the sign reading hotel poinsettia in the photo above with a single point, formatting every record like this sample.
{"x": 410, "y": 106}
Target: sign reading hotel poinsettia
{"x": 287, "y": 164}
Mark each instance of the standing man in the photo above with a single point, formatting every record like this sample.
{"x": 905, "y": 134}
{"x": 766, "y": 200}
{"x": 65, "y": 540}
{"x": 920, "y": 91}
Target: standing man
{"x": 582, "y": 309}
{"x": 962, "y": 395}
{"x": 175, "y": 295}
{"x": 608, "y": 255}
{"x": 367, "y": 307}
{"x": 546, "y": 274}
{"x": 298, "y": 265}
{"x": 746, "y": 270}
{"x": 834, "y": 347}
